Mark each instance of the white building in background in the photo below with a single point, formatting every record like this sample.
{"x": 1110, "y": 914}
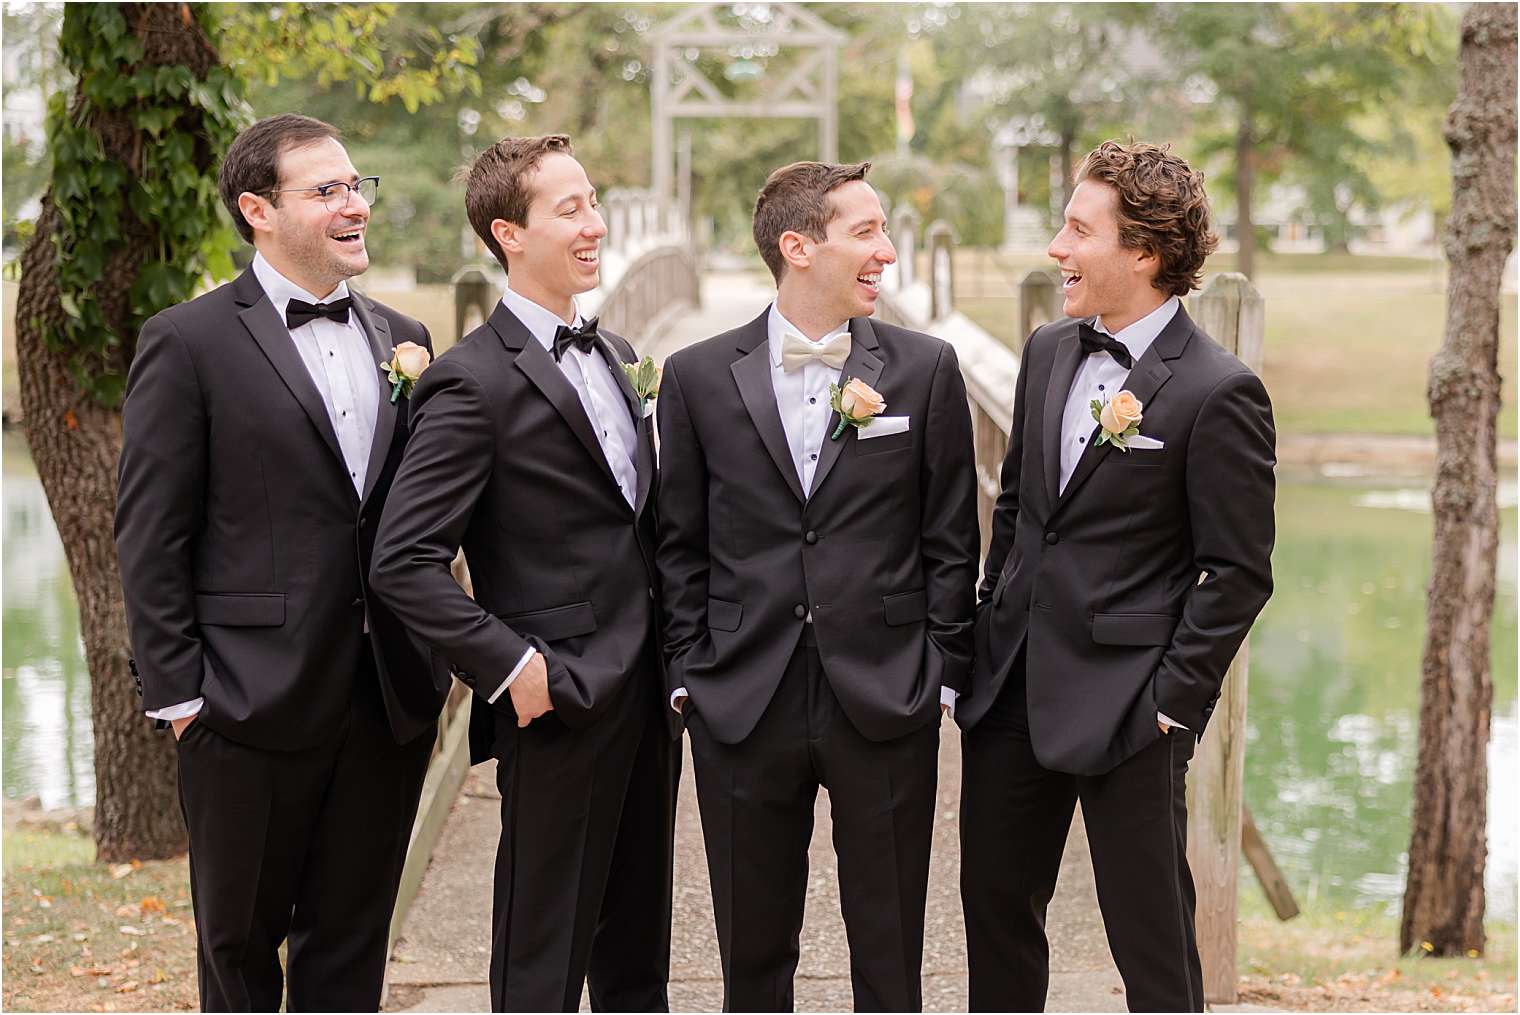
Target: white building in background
{"x": 1394, "y": 231}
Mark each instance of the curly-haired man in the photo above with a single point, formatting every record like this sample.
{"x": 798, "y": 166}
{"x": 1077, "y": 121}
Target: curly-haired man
{"x": 1131, "y": 551}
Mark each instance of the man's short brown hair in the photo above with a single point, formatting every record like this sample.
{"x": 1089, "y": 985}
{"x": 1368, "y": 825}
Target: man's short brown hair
{"x": 496, "y": 183}
{"x": 795, "y": 199}
{"x": 1162, "y": 208}
{"x": 252, "y": 162}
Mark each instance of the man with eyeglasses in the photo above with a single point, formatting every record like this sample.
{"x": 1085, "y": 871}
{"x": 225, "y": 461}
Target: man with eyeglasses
{"x": 260, "y": 438}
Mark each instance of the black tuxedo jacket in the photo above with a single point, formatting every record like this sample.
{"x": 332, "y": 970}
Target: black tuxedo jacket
{"x": 504, "y": 462}
{"x": 243, "y": 544}
{"x": 1101, "y": 583}
{"x": 883, "y": 551}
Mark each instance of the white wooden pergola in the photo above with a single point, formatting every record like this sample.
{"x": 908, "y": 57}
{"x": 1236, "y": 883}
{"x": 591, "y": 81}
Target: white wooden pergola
{"x": 808, "y": 89}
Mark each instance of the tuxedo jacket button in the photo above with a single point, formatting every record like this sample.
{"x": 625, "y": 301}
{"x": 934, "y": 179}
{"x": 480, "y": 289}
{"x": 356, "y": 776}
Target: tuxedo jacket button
{"x": 1052, "y": 538}
{"x": 799, "y": 611}
{"x": 811, "y": 537}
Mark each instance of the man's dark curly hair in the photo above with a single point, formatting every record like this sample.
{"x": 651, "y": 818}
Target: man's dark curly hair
{"x": 1162, "y": 208}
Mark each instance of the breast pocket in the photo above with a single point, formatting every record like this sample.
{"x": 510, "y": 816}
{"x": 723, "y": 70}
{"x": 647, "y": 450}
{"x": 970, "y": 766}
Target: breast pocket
{"x": 1140, "y": 458}
{"x": 882, "y": 445}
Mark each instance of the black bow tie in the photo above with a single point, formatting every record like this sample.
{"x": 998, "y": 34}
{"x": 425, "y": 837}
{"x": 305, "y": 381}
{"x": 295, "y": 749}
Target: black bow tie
{"x": 299, "y": 312}
{"x": 1094, "y": 340}
{"x": 582, "y": 338}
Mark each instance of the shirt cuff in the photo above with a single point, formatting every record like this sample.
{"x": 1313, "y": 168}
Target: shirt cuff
{"x": 679, "y": 692}
{"x": 183, "y": 710}
{"x": 948, "y": 696}
{"x": 1167, "y": 720}
{"x": 527, "y": 657}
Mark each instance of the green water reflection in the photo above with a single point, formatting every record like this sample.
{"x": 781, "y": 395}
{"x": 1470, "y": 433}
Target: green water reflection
{"x": 1334, "y": 692}
{"x": 45, "y": 693}
{"x": 1334, "y": 687}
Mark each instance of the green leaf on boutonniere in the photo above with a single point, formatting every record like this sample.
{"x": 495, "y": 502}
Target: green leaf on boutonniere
{"x": 644, "y": 376}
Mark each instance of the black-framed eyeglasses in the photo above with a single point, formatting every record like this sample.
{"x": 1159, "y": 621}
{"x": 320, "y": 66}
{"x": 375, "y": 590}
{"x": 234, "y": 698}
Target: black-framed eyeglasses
{"x": 334, "y": 196}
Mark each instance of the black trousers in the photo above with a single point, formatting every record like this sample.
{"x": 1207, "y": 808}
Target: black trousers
{"x": 583, "y": 869}
{"x": 756, "y": 799}
{"x": 1015, "y": 816}
{"x": 304, "y": 844}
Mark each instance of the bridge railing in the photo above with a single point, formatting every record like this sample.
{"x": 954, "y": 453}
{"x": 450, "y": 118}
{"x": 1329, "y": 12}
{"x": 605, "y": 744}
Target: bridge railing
{"x": 648, "y": 269}
{"x": 1232, "y": 312}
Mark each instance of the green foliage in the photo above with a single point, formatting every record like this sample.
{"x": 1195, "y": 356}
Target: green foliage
{"x": 350, "y": 43}
{"x": 166, "y": 197}
{"x": 162, "y": 197}
{"x": 1321, "y": 88}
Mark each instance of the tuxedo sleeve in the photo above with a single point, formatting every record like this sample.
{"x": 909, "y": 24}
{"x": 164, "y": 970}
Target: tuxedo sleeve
{"x": 682, "y": 556}
{"x": 948, "y": 537}
{"x": 1231, "y": 490}
{"x": 448, "y": 460}
{"x": 1005, "y": 514}
{"x": 160, "y": 508}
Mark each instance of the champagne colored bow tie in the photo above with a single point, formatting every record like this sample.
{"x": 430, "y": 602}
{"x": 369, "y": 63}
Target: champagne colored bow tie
{"x": 299, "y": 312}
{"x": 797, "y": 352}
{"x": 582, "y": 338}
{"x": 1094, "y": 340}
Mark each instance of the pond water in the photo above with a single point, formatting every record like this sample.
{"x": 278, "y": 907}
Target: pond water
{"x": 1333, "y": 698}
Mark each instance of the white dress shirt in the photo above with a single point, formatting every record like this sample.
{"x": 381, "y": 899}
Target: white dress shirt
{"x": 802, "y": 399}
{"x": 1101, "y": 377}
{"x": 343, "y": 367}
{"x": 591, "y": 376}
{"x": 802, "y": 396}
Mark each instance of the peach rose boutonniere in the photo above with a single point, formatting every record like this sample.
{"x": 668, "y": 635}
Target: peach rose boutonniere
{"x": 408, "y": 360}
{"x": 1118, "y": 419}
{"x": 857, "y": 404}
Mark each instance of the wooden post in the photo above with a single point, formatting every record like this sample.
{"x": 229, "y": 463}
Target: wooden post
{"x": 1231, "y": 310}
{"x": 1254, "y": 848}
{"x": 939, "y": 241}
{"x": 1039, "y": 295}
{"x": 905, "y": 236}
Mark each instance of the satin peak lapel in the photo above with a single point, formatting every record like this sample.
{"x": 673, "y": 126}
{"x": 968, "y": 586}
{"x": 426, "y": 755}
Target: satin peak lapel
{"x": 865, "y": 364}
{"x": 378, "y": 329}
{"x": 273, "y": 338}
{"x": 539, "y": 367}
{"x": 1063, "y": 371}
{"x": 752, "y": 373}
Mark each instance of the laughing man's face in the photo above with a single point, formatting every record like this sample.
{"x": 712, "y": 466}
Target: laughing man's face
{"x": 1100, "y": 277}
{"x": 319, "y": 246}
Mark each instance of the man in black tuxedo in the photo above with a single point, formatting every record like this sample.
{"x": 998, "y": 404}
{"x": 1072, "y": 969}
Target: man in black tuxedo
{"x": 819, "y": 583}
{"x": 1122, "y": 576}
{"x": 531, "y": 449}
{"x": 259, "y": 443}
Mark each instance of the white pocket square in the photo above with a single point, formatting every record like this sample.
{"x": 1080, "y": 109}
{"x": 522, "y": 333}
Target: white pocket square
{"x": 883, "y": 426}
{"x": 648, "y": 407}
{"x": 1140, "y": 442}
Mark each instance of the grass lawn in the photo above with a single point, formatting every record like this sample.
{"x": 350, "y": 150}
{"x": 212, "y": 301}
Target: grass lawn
{"x": 82, "y": 936}
{"x": 1346, "y": 351}
{"x": 1349, "y": 961}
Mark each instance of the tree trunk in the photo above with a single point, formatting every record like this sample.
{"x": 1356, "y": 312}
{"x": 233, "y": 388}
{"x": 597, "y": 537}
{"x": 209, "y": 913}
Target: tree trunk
{"x": 1245, "y": 182}
{"x": 75, "y": 442}
{"x": 1444, "y": 896}
{"x": 1068, "y": 142}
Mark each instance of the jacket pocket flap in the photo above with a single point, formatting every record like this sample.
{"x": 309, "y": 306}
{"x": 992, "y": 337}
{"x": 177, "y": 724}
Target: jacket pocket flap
{"x": 236, "y": 609}
{"x": 723, "y": 615}
{"x": 554, "y": 624}
{"x": 905, "y": 608}
{"x": 1133, "y": 628}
